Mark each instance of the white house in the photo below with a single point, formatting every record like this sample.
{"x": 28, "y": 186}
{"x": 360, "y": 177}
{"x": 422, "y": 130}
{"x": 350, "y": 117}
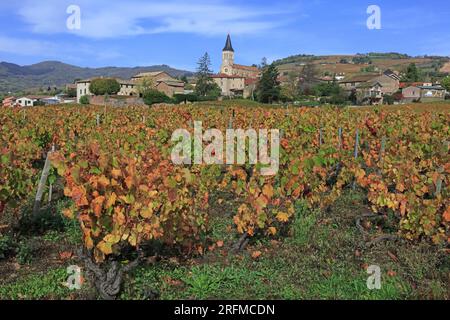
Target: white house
{"x": 26, "y": 102}
{"x": 83, "y": 89}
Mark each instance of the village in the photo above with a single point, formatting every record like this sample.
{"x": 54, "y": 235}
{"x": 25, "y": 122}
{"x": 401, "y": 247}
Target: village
{"x": 236, "y": 81}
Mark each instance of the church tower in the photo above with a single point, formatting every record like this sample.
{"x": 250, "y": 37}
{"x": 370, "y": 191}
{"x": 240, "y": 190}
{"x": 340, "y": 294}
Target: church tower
{"x": 227, "y": 58}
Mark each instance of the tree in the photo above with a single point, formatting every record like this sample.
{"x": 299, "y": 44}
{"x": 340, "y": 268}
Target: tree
{"x": 327, "y": 89}
{"x": 412, "y": 74}
{"x": 205, "y": 84}
{"x": 102, "y": 86}
{"x": 388, "y": 99}
{"x": 71, "y": 92}
{"x": 446, "y": 83}
{"x": 268, "y": 88}
{"x": 145, "y": 85}
{"x": 153, "y": 96}
{"x": 290, "y": 89}
{"x": 263, "y": 63}
{"x": 184, "y": 79}
{"x": 307, "y": 78}
{"x": 84, "y": 100}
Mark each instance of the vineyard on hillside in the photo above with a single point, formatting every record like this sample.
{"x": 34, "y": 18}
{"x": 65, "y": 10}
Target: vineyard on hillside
{"x": 113, "y": 169}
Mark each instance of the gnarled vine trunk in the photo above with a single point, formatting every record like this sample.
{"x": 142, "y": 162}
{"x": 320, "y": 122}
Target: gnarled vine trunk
{"x": 109, "y": 276}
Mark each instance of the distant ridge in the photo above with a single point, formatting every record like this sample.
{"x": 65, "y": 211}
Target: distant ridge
{"x": 14, "y": 78}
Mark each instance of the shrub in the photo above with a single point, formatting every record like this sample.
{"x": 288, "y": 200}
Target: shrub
{"x": 24, "y": 253}
{"x": 84, "y": 100}
{"x": 6, "y": 246}
{"x": 388, "y": 99}
{"x": 154, "y": 96}
{"x": 178, "y": 98}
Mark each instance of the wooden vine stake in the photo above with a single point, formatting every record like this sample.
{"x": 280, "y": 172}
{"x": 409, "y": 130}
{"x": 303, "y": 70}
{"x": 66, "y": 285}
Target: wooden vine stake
{"x": 50, "y": 186}
{"x": 382, "y": 150}
{"x": 320, "y": 137}
{"x": 340, "y": 138}
{"x": 230, "y": 123}
{"x": 356, "y": 144}
{"x": 98, "y": 120}
{"x": 439, "y": 182}
{"x": 42, "y": 183}
{"x": 356, "y": 152}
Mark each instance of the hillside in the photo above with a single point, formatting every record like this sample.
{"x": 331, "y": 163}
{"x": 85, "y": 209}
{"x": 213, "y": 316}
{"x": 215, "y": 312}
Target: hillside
{"x": 354, "y": 64}
{"x": 14, "y": 78}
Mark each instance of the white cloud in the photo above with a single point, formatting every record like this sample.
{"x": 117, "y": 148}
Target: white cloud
{"x": 25, "y": 47}
{"x": 51, "y": 50}
{"x": 110, "y": 19}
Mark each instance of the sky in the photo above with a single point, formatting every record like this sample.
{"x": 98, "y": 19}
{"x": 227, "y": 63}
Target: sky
{"x": 177, "y": 32}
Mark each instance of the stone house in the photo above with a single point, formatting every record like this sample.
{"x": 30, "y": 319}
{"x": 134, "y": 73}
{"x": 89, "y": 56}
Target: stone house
{"x": 390, "y": 85}
{"x": 353, "y": 82}
{"x": 154, "y": 76}
{"x": 411, "y": 94}
{"x": 161, "y": 80}
{"x": 170, "y": 87}
{"x": 431, "y": 93}
{"x": 369, "y": 93}
{"x": 231, "y": 85}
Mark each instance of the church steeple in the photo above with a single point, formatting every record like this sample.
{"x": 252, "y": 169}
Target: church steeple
{"x": 228, "y": 46}
{"x": 227, "y": 58}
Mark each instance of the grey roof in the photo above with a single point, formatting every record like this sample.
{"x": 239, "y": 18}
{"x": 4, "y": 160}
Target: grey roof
{"x": 431, "y": 87}
{"x": 228, "y": 46}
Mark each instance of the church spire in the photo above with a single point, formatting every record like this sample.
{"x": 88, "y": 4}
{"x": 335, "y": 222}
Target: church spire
{"x": 228, "y": 46}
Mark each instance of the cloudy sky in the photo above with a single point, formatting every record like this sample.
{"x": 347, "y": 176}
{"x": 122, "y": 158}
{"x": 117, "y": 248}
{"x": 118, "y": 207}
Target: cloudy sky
{"x": 178, "y": 32}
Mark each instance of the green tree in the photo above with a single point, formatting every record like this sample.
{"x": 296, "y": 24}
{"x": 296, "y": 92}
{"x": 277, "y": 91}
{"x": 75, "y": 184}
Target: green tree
{"x": 102, "y": 86}
{"x": 263, "y": 63}
{"x": 412, "y": 74}
{"x": 268, "y": 88}
{"x": 71, "y": 92}
{"x": 184, "y": 79}
{"x": 327, "y": 89}
{"x": 446, "y": 83}
{"x": 290, "y": 89}
{"x": 145, "y": 85}
{"x": 84, "y": 100}
{"x": 205, "y": 84}
{"x": 388, "y": 99}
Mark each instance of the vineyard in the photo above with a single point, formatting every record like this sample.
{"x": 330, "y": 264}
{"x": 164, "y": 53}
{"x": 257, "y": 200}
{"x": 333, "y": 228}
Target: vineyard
{"x": 377, "y": 180}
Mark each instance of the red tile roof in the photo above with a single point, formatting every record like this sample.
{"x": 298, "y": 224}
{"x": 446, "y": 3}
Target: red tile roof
{"x": 223, "y": 75}
{"x": 248, "y": 68}
{"x": 410, "y": 84}
{"x": 250, "y": 81}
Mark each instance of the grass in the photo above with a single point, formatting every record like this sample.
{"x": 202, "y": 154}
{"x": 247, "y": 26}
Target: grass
{"x": 322, "y": 258}
{"x": 37, "y": 286}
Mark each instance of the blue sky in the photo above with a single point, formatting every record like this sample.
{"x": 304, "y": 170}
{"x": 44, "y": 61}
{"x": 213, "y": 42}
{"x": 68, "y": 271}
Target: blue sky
{"x": 178, "y": 32}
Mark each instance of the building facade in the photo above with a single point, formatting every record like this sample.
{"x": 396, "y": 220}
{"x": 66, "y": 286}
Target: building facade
{"x": 425, "y": 93}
